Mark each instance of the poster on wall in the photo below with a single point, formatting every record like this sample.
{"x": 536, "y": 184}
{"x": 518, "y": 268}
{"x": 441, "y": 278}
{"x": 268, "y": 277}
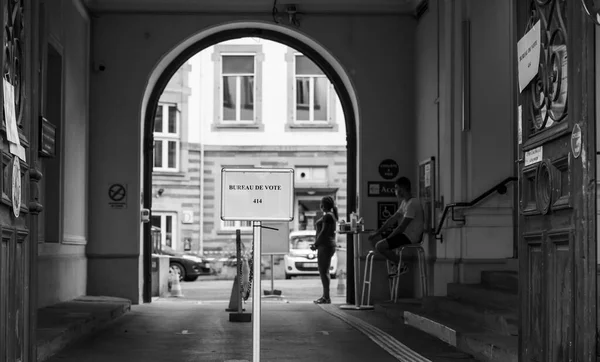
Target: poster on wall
{"x": 426, "y": 192}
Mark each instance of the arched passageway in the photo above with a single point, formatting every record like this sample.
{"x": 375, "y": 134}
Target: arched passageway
{"x": 172, "y": 61}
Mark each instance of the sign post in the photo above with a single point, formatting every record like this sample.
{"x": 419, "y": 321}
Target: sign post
{"x": 257, "y": 195}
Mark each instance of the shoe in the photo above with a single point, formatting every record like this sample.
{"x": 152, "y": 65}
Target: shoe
{"x": 393, "y": 270}
{"x": 323, "y": 301}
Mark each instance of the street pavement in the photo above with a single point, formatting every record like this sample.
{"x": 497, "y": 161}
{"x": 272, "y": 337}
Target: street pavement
{"x": 197, "y": 328}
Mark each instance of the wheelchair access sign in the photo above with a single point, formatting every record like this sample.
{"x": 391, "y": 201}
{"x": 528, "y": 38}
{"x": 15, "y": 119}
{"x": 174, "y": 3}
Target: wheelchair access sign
{"x": 384, "y": 211}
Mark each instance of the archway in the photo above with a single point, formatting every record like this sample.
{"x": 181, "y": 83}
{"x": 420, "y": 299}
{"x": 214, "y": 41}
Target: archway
{"x": 173, "y": 60}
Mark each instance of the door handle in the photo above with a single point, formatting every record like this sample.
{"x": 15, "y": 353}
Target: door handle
{"x": 520, "y": 160}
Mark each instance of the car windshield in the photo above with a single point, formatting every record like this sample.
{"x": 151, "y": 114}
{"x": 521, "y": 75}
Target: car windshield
{"x": 302, "y": 242}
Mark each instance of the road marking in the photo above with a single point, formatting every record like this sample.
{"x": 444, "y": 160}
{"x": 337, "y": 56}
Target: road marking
{"x": 391, "y": 345}
{"x": 325, "y": 333}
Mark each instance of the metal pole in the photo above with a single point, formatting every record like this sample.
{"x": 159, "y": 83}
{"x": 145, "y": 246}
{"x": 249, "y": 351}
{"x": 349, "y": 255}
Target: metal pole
{"x": 356, "y": 243}
{"x": 238, "y": 247}
{"x": 256, "y": 256}
{"x": 272, "y": 277}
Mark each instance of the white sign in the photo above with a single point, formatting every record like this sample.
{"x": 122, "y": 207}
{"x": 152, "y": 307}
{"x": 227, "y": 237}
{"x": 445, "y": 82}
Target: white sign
{"x": 275, "y": 241}
{"x": 528, "y": 51}
{"x": 427, "y": 175}
{"x": 12, "y": 132}
{"x": 187, "y": 217}
{"x": 533, "y": 156}
{"x": 257, "y": 194}
{"x": 519, "y": 124}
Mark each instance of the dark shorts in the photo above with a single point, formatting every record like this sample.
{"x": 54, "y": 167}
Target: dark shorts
{"x": 324, "y": 255}
{"x": 397, "y": 241}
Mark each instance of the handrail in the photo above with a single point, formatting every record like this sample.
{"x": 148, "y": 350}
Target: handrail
{"x": 500, "y": 188}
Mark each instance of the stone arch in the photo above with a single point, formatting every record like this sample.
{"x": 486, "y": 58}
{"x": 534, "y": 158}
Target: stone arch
{"x": 176, "y": 57}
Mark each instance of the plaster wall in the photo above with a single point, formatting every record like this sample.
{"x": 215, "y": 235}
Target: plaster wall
{"x": 376, "y": 51}
{"x": 471, "y": 157}
{"x": 62, "y": 269}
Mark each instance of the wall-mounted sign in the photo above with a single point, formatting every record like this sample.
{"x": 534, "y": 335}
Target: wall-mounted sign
{"x": 47, "y": 138}
{"x": 261, "y": 194}
{"x": 381, "y": 189}
{"x": 534, "y": 156}
{"x": 576, "y": 141}
{"x": 384, "y": 211}
{"x": 528, "y": 51}
{"x": 117, "y": 194}
{"x": 388, "y": 169}
{"x": 187, "y": 216}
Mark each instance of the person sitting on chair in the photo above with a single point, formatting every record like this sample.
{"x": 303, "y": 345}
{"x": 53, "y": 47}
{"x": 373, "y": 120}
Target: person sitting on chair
{"x": 410, "y": 226}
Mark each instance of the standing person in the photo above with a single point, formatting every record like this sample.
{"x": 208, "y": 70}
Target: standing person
{"x": 325, "y": 244}
{"x": 410, "y": 227}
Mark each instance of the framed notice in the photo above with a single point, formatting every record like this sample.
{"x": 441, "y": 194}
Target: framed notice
{"x": 427, "y": 192}
{"x": 47, "y": 138}
{"x": 257, "y": 194}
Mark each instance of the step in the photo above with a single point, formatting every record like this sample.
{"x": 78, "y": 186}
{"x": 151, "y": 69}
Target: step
{"x": 61, "y": 324}
{"x": 482, "y": 295}
{"x": 507, "y": 280}
{"x": 502, "y": 321}
{"x": 467, "y": 336}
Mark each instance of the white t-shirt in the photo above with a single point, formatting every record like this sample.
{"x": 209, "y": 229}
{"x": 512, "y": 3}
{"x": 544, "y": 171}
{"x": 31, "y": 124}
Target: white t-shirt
{"x": 414, "y": 210}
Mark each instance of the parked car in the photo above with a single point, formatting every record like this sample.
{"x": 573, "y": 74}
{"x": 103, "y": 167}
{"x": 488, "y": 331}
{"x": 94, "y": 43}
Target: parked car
{"x": 190, "y": 267}
{"x": 301, "y": 260}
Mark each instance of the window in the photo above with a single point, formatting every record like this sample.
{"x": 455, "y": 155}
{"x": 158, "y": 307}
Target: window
{"x": 166, "y": 138}
{"x": 311, "y": 174}
{"x": 312, "y": 91}
{"x": 167, "y": 223}
{"x": 238, "y": 88}
{"x": 233, "y": 225}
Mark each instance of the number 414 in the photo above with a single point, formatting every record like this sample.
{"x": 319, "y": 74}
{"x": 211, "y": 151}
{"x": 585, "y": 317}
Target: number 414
{"x": 258, "y": 201}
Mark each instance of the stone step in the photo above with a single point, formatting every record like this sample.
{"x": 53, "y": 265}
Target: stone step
{"x": 467, "y": 336}
{"x": 501, "y": 279}
{"x": 481, "y": 295}
{"x": 501, "y": 321}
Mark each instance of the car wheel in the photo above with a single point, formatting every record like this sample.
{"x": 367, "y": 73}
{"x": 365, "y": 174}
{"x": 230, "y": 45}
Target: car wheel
{"x": 178, "y": 268}
{"x": 287, "y": 276}
{"x": 191, "y": 279}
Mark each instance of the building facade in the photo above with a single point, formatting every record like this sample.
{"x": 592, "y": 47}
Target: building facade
{"x": 243, "y": 103}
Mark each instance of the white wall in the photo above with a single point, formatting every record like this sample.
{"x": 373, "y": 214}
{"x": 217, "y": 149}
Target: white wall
{"x": 274, "y": 97}
{"x": 376, "y": 51}
{"x": 62, "y": 268}
{"x": 469, "y": 161}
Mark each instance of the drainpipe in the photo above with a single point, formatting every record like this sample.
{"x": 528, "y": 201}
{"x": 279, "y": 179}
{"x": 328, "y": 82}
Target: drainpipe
{"x": 201, "y": 219}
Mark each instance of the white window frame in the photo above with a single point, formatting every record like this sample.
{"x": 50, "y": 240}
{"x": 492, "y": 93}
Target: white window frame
{"x": 238, "y": 90}
{"x": 311, "y": 95}
{"x": 163, "y": 230}
{"x": 165, "y": 137}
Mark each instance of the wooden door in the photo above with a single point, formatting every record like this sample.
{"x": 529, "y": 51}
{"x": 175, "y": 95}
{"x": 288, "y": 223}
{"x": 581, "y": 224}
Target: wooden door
{"x": 556, "y": 245}
{"x": 16, "y": 248}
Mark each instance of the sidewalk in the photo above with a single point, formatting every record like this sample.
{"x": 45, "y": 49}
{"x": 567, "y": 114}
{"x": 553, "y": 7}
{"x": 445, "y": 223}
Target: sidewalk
{"x": 61, "y": 324}
{"x": 174, "y": 329}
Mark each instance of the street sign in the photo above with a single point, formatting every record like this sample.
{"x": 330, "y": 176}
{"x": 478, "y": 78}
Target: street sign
{"x": 257, "y": 194}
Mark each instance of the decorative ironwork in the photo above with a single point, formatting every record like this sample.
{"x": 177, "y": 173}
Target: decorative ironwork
{"x": 548, "y": 90}
{"x": 14, "y": 32}
{"x": 592, "y": 9}
{"x": 544, "y": 186}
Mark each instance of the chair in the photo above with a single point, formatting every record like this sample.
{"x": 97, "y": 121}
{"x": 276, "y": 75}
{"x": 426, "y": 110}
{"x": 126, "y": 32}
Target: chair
{"x": 367, "y": 279}
{"x": 422, "y": 261}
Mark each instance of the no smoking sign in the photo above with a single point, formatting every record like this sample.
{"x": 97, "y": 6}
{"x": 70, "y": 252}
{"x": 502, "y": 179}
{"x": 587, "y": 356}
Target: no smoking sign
{"x": 117, "y": 195}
